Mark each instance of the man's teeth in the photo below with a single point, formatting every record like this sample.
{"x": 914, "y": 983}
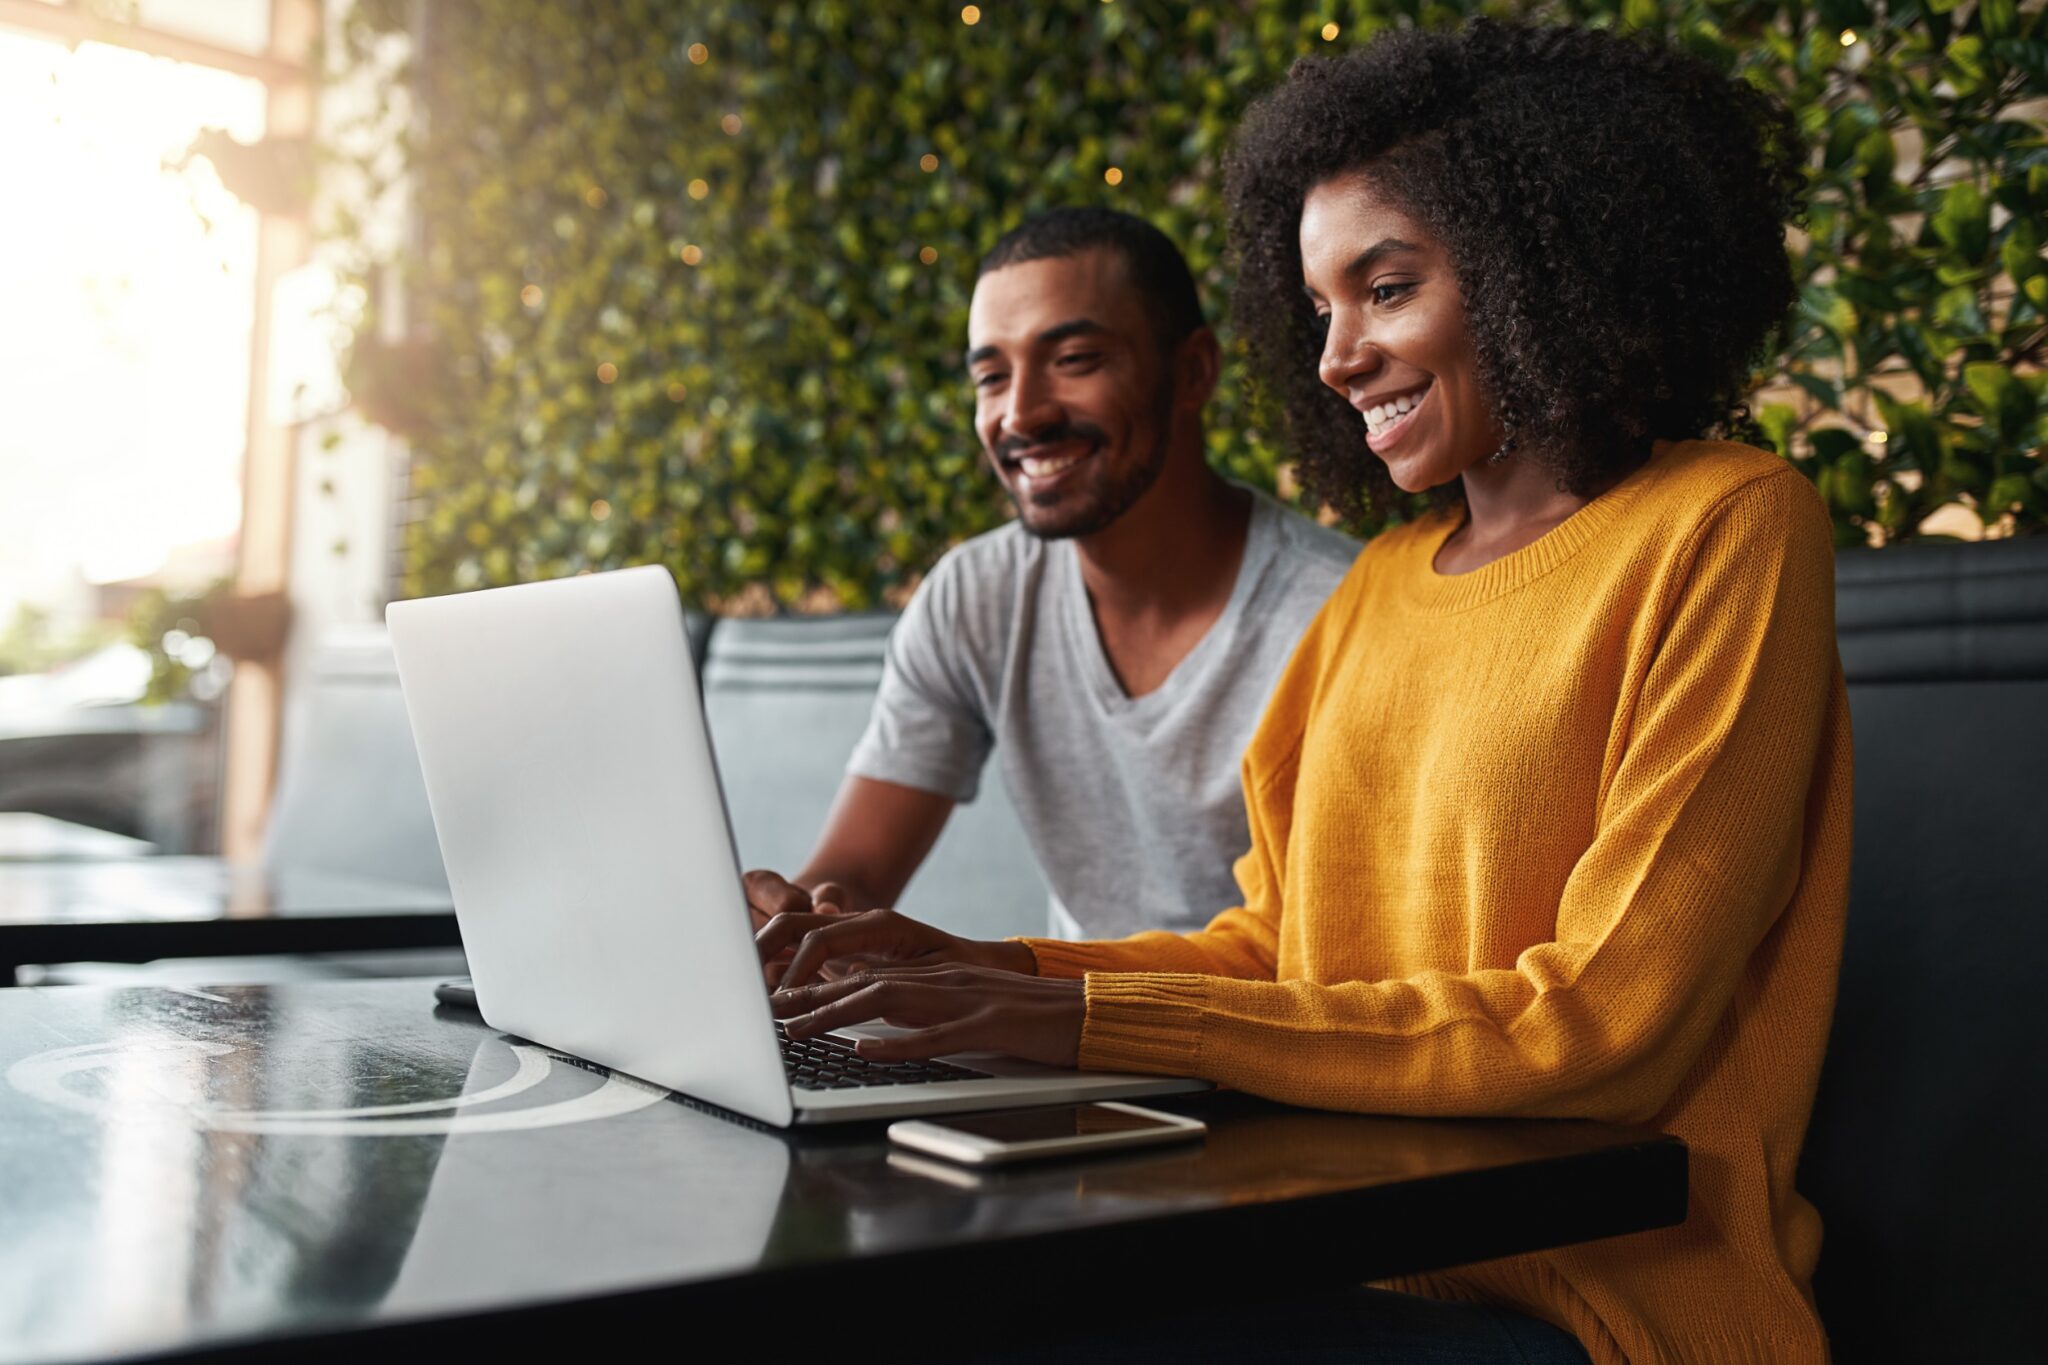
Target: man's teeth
{"x": 1041, "y": 468}
{"x": 1386, "y": 414}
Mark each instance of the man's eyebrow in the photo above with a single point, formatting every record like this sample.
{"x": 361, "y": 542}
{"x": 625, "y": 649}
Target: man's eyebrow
{"x": 1051, "y": 336}
{"x": 1073, "y": 327}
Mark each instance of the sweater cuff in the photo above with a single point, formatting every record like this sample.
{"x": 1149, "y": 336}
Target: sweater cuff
{"x": 1058, "y": 958}
{"x": 1143, "y": 1021}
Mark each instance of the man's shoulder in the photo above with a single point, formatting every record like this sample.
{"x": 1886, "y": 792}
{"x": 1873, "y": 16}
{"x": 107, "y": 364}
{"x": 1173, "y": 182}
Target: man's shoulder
{"x": 1306, "y": 551}
{"x": 969, "y": 599}
{"x": 993, "y": 557}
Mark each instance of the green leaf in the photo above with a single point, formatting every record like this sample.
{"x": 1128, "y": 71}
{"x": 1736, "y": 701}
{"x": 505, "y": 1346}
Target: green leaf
{"x": 2000, "y": 397}
{"x": 1964, "y": 221}
{"x": 1957, "y": 310}
{"x": 1846, "y": 135}
{"x": 1998, "y": 18}
{"x": 1878, "y": 159}
{"x": 1912, "y": 430}
{"x": 2021, "y": 254}
{"x": 1778, "y": 421}
{"x": 1824, "y": 392}
{"x": 1926, "y": 350}
{"x": 1830, "y": 309}
{"x": 2009, "y": 493}
{"x": 1966, "y": 65}
{"x": 1834, "y": 445}
{"x": 1853, "y": 473}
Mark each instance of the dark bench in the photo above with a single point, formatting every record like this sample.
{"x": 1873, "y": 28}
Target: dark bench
{"x": 1924, "y": 1152}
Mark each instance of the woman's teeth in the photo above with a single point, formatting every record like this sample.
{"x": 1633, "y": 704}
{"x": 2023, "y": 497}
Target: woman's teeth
{"x": 1043, "y": 468}
{"x": 1393, "y": 410}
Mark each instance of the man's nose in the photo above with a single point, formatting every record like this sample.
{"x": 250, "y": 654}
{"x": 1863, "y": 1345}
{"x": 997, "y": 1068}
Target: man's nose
{"x": 1031, "y": 406}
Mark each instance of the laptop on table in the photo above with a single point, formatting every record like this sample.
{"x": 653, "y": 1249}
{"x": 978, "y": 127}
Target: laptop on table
{"x": 576, "y": 799}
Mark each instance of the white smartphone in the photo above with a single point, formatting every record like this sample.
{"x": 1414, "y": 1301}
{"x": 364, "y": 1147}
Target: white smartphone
{"x": 1009, "y": 1135}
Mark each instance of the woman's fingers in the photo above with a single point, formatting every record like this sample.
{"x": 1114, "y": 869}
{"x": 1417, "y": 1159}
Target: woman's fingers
{"x": 955, "y": 1035}
{"x": 951, "y": 1007}
{"x": 882, "y": 934}
{"x": 828, "y": 1005}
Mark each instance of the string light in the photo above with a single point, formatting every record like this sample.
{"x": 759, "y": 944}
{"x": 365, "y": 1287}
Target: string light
{"x": 699, "y": 188}
{"x": 1848, "y": 37}
{"x": 928, "y": 254}
{"x": 928, "y": 163}
{"x": 607, "y": 372}
{"x": 594, "y": 196}
{"x": 699, "y": 54}
{"x": 1330, "y": 32}
{"x": 970, "y": 15}
{"x": 731, "y": 124}
{"x": 1114, "y": 175}
{"x": 691, "y": 253}
{"x": 600, "y": 509}
{"x": 1879, "y": 437}
{"x": 530, "y": 296}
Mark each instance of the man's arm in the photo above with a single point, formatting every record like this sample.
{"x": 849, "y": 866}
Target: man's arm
{"x": 876, "y": 835}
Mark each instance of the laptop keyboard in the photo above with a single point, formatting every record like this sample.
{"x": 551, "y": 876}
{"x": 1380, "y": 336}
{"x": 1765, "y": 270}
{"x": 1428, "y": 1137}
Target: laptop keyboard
{"x": 828, "y": 1063}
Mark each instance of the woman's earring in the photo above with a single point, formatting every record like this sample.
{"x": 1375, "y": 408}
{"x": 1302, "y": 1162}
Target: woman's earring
{"x": 1500, "y": 456}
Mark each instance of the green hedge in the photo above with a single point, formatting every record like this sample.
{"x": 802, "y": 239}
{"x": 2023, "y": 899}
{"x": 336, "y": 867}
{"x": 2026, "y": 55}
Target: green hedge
{"x": 693, "y": 278}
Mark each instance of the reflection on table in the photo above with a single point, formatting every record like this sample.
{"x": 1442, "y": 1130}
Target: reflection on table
{"x": 41, "y": 838}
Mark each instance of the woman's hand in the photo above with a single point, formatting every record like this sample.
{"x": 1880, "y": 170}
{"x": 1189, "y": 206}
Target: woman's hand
{"x": 953, "y": 1007}
{"x": 832, "y": 944}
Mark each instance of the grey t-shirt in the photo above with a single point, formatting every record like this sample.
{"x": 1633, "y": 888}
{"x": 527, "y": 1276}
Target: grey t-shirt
{"x": 1132, "y": 804}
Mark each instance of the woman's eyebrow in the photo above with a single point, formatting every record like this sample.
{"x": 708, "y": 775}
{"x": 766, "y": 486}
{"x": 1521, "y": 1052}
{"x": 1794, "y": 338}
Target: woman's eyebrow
{"x": 1372, "y": 255}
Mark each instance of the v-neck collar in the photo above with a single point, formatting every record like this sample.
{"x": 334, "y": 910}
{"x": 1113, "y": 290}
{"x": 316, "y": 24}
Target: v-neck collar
{"x": 1086, "y": 640}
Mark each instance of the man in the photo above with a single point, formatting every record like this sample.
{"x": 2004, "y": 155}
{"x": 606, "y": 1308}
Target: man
{"x": 1117, "y": 641}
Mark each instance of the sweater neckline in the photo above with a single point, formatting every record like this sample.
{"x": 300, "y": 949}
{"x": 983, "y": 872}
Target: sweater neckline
{"x": 1428, "y": 592}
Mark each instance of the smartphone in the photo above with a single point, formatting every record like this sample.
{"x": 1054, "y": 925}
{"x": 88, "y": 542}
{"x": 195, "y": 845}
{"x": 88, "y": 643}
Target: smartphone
{"x": 1011, "y": 1135}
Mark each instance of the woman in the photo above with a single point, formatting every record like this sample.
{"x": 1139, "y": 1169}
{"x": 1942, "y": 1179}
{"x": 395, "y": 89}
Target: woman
{"x": 1550, "y": 812}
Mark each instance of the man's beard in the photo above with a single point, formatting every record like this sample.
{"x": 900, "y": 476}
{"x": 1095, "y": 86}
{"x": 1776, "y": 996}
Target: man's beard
{"x": 1112, "y": 500}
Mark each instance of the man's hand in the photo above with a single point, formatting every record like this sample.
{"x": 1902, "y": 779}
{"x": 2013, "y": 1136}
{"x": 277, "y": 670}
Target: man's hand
{"x": 769, "y": 895}
{"x": 795, "y": 947}
{"x": 953, "y": 1007}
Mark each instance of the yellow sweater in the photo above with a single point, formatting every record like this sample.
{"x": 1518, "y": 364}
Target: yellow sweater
{"x": 1564, "y": 836}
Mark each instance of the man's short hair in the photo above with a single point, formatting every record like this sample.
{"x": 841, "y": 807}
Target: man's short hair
{"x": 1156, "y": 265}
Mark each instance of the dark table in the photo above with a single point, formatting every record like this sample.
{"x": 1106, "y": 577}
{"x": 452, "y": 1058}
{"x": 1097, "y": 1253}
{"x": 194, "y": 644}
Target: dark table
{"x": 350, "y": 1167}
{"x": 139, "y": 909}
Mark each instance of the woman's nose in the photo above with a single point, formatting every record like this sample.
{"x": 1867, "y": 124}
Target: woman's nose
{"x": 1348, "y": 356}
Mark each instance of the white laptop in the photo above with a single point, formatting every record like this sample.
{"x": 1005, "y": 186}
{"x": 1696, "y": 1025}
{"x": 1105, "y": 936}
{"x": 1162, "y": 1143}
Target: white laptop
{"x": 595, "y": 878}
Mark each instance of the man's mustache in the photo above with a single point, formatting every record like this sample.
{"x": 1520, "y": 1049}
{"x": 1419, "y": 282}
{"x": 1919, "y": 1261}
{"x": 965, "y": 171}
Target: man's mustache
{"x": 1012, "y": 448}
